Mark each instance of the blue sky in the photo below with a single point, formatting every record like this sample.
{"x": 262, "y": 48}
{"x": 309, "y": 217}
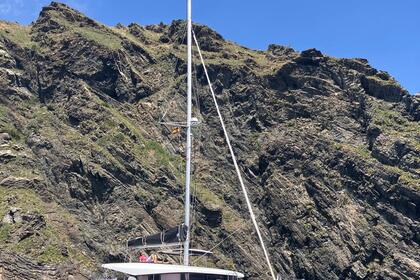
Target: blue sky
{"x": 386, "y": 32}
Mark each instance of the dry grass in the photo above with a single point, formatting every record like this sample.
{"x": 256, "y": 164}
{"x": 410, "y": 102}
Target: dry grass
{"x": 18, "y": 34}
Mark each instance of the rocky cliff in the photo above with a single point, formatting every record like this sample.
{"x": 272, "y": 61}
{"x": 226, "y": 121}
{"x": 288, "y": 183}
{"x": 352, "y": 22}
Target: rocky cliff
{"x": 329, "y": 148}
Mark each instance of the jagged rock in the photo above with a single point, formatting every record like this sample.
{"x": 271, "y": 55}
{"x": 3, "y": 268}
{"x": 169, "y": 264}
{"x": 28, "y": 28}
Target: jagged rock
{"x": 360, "y": 65}
{"x": 22, "y": 182}
{"x": 38, "y": 142}
{"x": 168, "y": 213}
{"x": 158, "y": 28}
{"x": 383, "y": 89}
{"x": 68, "y": 13}
{"x": 120, "y": 25}
{"x": 311, "y": 53}
{"x": 6, "y": 155}
{"x": 208, "y": 39}
{"x": 372, "y": 133}
{"x": 13, "y": 216}
{"x": 14, "y": 266}
{"x": 5, "y": 137}
{"x": 25, "y": 225}
{"x": 213, "y": 215}
{"x": 6, "y": 60}
{"x": 309, "y": 57}
{"x": 281, "y": 51}
{"x": 385, "y": 150}
{"x": 359, "y": 271}
{"x": 137, "y": 31}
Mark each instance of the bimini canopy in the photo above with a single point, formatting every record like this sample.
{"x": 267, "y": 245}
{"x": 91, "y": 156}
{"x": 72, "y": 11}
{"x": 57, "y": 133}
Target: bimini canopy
{"x": 139, "y": 269}
{"x": 171, "y": 237}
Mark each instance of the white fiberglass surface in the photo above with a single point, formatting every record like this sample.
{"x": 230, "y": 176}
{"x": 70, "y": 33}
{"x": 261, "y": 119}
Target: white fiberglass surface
{"x": 137, "y": 269}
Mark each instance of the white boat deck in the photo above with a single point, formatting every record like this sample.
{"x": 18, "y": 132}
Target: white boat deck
{"x": 139, "y": 269}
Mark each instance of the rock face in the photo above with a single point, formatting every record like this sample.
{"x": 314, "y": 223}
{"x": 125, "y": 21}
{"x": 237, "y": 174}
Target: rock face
{"x": 329, "y": 149}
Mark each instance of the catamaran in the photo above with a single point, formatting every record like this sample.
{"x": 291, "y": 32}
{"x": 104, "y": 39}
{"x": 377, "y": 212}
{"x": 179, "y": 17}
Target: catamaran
{"x": 179, "y": 236}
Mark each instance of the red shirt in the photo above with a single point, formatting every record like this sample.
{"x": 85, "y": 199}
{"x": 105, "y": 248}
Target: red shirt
{"x": 143, "y": 258}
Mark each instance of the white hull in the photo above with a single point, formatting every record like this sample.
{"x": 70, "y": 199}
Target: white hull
{"x": 143, "y": 269}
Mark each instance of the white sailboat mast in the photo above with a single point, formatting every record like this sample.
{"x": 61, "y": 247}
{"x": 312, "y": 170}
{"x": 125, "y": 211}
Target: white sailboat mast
{"x": 189, "y": 142}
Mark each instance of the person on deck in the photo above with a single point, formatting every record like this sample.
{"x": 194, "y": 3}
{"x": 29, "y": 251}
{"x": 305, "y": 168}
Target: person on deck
{"x": 152, "y": 258}
{"x": 143, "y": 257}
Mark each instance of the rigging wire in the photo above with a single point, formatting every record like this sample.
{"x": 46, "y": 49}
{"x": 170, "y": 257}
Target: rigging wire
{"x": 173, "y": 74}
{"x": 197, "y": 93}
{"x": 194, "y": 200}
{"x": 218, "y": 244}
{"x": 195, "y": 153}
{"x": 244, "y": 190}
{"x": 172, "y": 101}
